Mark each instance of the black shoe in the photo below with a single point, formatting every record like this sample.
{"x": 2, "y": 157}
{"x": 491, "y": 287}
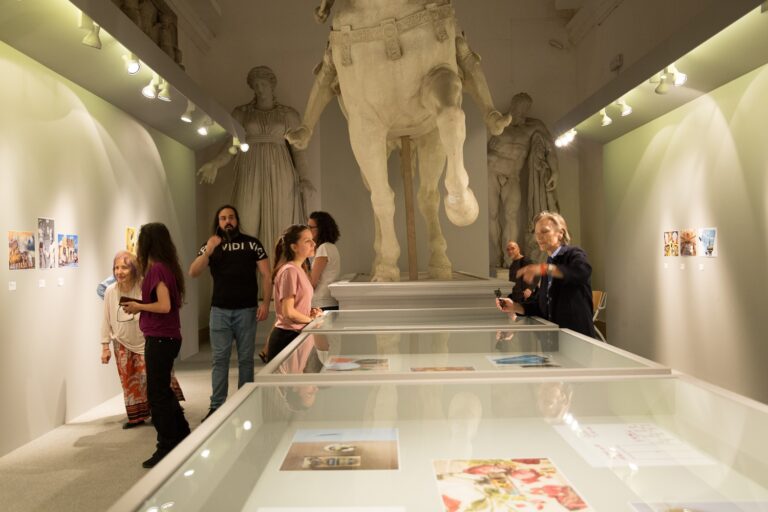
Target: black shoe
{"x": 128, "y": 424}
{"x": 154, "y": 459}
{"x": 210, "y": 411}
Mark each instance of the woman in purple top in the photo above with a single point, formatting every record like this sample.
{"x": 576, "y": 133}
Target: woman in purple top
{"x": 162, "y": 293}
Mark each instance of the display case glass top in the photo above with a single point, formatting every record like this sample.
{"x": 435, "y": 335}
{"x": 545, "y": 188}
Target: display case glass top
{"x": 630, "y": 444}
{"x": 438, "y": 319}
{"x": 461, "y": 354}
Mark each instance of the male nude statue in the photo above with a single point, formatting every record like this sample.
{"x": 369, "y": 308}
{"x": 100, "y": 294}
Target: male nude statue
{"x": 526, "y": 142}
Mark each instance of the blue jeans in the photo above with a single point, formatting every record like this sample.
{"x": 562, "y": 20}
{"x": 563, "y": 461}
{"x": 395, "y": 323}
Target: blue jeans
{"x": 225, "y": 326}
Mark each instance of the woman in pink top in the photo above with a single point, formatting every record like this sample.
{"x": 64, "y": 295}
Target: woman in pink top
{"x": 292, "y": 287}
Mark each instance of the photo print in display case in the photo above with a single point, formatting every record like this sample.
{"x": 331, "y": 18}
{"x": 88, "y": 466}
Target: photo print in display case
{"x": 688, "y": 239}
{"x": 21, "y": 250}
{"x": 46, "y": 243}
{"x": 68, "y": 251}
{"x": 525, "y": 485}
{"x": 131, "y": 238}
{"x": 672, "y": 243}
{"x": 342, "y": 449}
{"x": 708, "y": 241}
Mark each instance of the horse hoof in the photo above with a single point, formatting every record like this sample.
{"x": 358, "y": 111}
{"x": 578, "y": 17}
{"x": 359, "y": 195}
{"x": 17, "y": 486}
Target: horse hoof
{"x": 462, "y": 210}
{"x": 299, "y": 137}
{"x": 496, "y": 122}
{"x": 441, "y": 273}
{"x": 386, "y": 274}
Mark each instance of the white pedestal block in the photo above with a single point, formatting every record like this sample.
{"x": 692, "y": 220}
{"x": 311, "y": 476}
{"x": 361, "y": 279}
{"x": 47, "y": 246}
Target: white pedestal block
{"x": 355, "y": 291}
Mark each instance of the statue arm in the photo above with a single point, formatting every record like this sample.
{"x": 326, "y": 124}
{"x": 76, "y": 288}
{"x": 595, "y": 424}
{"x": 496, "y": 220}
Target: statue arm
{"x": 324, "y": 88}
{"x": 299, "y": 157}
{"x": 210, "y": 169}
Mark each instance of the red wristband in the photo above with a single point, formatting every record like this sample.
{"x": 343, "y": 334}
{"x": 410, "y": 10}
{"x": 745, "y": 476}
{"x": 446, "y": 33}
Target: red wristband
{"x": 543, "y": 269}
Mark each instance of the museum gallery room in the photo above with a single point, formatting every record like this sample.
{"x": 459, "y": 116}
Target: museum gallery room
{"x": 384, "y": 255}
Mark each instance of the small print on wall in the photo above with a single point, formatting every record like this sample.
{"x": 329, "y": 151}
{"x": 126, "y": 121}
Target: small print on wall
{"x": 46, "y": 243}
{"x": 68, "y": 253}
{"x": 671, "y": 243}
{"x": 708, "y": 241}
{"x": 131, "y": 236}
{"x": 21, "y": 250}
{"x": 688, "y": 238}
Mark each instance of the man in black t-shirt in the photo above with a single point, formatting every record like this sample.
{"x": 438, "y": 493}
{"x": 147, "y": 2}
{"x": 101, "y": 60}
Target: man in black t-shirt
{"x": 233, "y": 258}
{"x": 522, "y": 290}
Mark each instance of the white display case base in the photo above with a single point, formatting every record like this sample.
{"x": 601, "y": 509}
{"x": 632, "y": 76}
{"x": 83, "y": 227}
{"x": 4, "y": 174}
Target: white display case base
{"x": 355, "y": 291}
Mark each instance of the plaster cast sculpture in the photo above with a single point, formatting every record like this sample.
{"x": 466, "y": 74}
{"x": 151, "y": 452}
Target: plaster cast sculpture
{"x": 269, "y": 184}
{"x": 397, "y": 67}
{"x": 524, "y": 144}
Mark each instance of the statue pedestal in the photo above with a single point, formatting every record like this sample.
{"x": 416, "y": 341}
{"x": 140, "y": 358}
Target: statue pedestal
{"x": 355, "y": 291}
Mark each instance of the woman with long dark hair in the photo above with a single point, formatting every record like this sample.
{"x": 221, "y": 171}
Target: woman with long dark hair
{"x": 326, "y": 265}
{"x": 292, "y": 288}
{"x": 162, "y": 294}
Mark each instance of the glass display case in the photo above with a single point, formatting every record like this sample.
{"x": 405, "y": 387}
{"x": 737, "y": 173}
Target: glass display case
{"x": 438, "y": 319}
{"x": 606, "y": 444}
{"x": 320, "y": 356}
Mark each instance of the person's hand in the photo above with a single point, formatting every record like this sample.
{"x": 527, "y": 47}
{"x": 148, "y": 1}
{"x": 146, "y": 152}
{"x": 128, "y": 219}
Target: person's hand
{"x": 262, "y": 311}
{"x": 504, "y": 304}
{"x": 131, "y": 307}
{"x": 105, "y": 354}
{"x": 527, "y": 293}
{"x": 212, "y": 244}
{"x": 208, "y": 173}
{"x": 529, "y": 272}
{"x": 551, "y": 183}
{"x": 315, "y": 312}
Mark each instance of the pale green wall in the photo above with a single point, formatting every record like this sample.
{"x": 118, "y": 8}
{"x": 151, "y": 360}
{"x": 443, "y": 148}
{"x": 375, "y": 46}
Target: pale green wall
{"x": 68, "y": 155}
{"x": 704, "y": 164}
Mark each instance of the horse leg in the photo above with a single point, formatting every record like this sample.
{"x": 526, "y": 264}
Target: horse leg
{"x": 441, "y": 95}
{"x": 431, "y": 162}
{"x": 370, "y": 149}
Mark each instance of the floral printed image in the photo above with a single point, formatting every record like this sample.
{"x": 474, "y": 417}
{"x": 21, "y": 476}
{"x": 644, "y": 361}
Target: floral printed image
{"x": 523, "y": 485}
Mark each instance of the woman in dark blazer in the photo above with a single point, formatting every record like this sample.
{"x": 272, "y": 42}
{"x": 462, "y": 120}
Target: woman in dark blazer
{"x": 565, "y": 293}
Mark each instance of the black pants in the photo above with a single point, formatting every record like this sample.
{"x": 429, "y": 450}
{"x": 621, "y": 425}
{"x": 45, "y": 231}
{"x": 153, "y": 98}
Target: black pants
{"x": 167, "y": 414}
{"x": 278, "y": 340}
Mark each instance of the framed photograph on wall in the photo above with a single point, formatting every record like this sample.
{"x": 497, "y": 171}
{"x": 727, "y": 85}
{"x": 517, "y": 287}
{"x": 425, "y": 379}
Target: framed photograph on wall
{"x": 708, "y": 242}
{"x": 672, "y": 243}
{"x": 688, "y": 242}
{"x": 21, "y": 250}
{"x": 131, "y": 237}
{"x": 46, "y": 243}
{"x": 68, "y": 251}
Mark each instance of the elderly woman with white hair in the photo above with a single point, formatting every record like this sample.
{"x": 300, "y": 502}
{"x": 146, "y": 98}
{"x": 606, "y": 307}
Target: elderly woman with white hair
{"x": 565, "y": 293}
{"x": 122, "y": 331}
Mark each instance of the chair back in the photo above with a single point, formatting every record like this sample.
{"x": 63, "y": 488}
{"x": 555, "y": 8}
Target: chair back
{"x": 599, "y": 299}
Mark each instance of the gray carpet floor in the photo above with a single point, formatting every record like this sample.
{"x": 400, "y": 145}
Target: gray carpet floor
{"x": 88, "y": 464}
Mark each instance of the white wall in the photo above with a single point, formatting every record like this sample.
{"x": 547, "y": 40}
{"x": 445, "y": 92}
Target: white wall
{"x": 704, "y": 164}
{"x": 68, "y": 155}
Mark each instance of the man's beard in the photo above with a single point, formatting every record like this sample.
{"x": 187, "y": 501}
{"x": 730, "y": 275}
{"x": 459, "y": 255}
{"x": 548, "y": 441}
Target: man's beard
{"x": 230, "y": 232}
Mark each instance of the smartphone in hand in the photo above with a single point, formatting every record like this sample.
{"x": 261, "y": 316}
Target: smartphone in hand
{"x": 124, "y": 299}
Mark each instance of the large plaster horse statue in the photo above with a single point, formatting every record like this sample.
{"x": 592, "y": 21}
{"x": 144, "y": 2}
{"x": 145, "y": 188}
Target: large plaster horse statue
{"x": 399, "y": 75}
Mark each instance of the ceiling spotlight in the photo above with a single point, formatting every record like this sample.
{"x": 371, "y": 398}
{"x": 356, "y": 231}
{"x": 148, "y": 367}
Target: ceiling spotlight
{"x": 205, "y": 124}
{"x": 566, "y": 138}
{"x": 244, "y": 147}
{"x": 132, "y": 64}
{"x": 678, "y": 78}
{"x": 187, "y": 115}
{"x": 164, "y": 93}
{"x": 150, "y": 90}
{"x": 92, "y": 38}
{"x": 625, "y": 108}
{"x": 605, "y": 121}
{"x": 663, "y": 86}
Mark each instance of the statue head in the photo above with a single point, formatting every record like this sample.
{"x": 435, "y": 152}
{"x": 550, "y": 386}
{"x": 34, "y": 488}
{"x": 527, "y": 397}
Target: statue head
{"x": 261, "y": 73}
{"x": 520, "y": 105}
